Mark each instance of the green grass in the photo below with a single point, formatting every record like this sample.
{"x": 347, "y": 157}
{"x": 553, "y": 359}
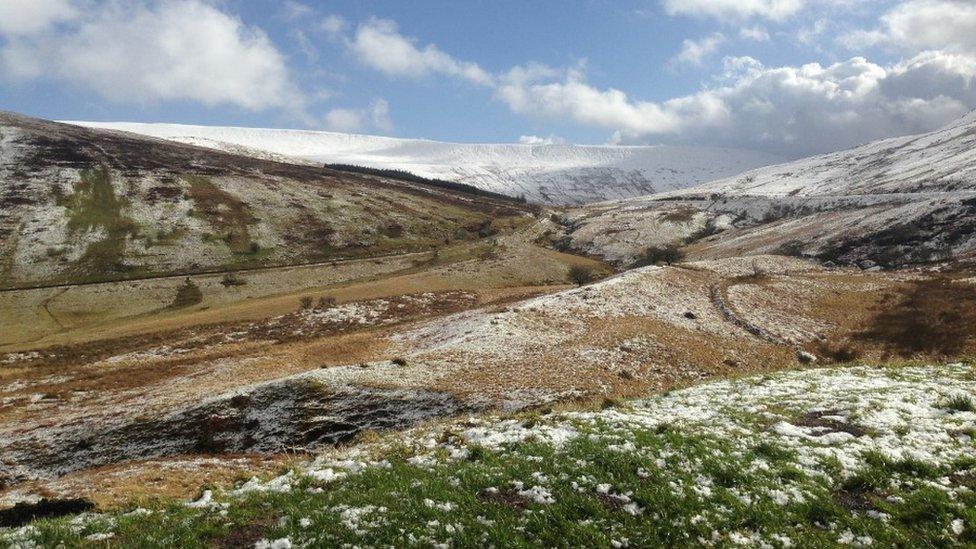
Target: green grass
{"x": 960, "y": 403}
{"x": 688, "y": 488}
{"x": 94, "y": 206}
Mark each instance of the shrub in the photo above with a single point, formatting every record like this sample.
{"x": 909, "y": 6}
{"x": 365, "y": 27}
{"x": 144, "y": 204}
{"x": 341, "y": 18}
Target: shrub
{"x": 393, "y": 230}
{"x": 399, "y": 361}
{"x": 327, "y": 302}
{"x": 656, "y": 255}
{"x": 564, "y": 244}
{"x": 792, "y": 248}
{"x": 231, "y": 279}
{"x": 838, "y": 353}
{"x": 306, "y": 302}
{"x": 187, "y": 294}
{"x": 581, "y": 274}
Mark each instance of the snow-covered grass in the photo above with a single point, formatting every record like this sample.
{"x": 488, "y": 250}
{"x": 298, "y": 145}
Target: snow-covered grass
{"x": 826, "y": 457}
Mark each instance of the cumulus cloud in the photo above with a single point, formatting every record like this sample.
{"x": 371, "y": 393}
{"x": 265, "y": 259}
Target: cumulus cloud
{"x": 791, "y": 110}
{"x": 573, "y": 98}
{"x": 379, "y": 44}
{"x": 376, "y": 117}
{"x": 694, "y": 51}
{"x": 776, "y": 10}
{"x": 18, "y": 17}
{"x": 922, "y": 24}
{"x": 167, "y": 50}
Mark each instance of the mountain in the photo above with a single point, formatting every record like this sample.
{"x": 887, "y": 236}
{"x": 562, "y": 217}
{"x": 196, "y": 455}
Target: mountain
{"x": 553, "y": 174}
{"x": 940, "y": 161}
{"x": 80, "y": 205}
{"x": 895, "y": 202}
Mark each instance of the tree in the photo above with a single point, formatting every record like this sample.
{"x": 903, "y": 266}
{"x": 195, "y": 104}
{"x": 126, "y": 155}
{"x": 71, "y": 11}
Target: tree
{"x": 581, "y": 274}
{"x": 656, "y": 255}
{"x": 187, "y": 294}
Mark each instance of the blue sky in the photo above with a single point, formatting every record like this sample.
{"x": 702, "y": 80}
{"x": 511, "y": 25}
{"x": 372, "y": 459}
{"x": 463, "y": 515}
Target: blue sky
{"x": 794, "y": 77}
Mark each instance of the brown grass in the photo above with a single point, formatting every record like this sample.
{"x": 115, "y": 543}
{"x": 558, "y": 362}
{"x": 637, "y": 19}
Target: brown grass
{"x": 681, "y": 214}
{"x": 933, "y": 317}
{"x": 179, "y": 477}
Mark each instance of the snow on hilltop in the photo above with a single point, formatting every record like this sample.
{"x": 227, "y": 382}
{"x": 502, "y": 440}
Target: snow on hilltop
{"x": 894, "y": 202}
{"x": 941, "y": 161}
{"x": 557, "y": 174}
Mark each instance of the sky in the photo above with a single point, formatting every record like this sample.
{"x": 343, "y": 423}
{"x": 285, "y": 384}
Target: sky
{"x": 792, "y": 77}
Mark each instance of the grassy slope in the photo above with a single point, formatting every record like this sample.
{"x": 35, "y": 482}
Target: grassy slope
{"x": 688, "y": 469}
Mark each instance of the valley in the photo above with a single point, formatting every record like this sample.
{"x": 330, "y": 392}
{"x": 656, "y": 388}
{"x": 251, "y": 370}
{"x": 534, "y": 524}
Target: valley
{"x": 224, "y": 330}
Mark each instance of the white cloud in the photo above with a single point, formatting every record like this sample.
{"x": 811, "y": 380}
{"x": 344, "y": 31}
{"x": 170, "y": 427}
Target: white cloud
{"x": 333, "y": 25}
{"x": 694, "y": 51}
{"x": 756, "y": 34}
{"x": 810, "y": 34}
{"x": 538, "y": 140}
{"x": 574, "y": 99}
{"x": 18, "y": 17}
{"x": 379, "y": 115}
{"x": 297, "y": 10}
{"x": 922, "y": 24}
{"x": 344, "y": 120}
{"x": 376, "y": 117}
{"x": 166, "y": 50}
{"x": 792, "y": 110}
{"x": 776, "y": 10}
{"x": 305, "y": 45}
{"x": 379, "y": 45}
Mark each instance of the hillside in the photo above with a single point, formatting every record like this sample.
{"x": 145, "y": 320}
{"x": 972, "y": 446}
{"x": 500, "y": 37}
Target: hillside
{"x": 895, "y": 202}
{"x": 80, "y": 205}
{"x": 553, "y": 174}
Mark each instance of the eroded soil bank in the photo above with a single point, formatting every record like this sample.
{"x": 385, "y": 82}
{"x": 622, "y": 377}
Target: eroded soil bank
{"x": 290, "y": 415}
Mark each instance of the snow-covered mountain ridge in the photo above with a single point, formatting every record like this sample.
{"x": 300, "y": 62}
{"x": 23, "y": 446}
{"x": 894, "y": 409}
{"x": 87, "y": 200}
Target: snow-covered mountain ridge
{"x": 940, "y": 161}
{"x": 894, "y": 202}
{"x": 554, "y": 174}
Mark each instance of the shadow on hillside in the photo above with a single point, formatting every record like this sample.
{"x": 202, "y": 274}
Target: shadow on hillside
{"x": 932, "y": 317}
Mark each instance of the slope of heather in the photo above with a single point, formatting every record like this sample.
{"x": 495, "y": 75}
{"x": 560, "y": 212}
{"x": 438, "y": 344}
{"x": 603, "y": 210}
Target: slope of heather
{"x": 80, "y": 204}
{"x": 554, "y": 174}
